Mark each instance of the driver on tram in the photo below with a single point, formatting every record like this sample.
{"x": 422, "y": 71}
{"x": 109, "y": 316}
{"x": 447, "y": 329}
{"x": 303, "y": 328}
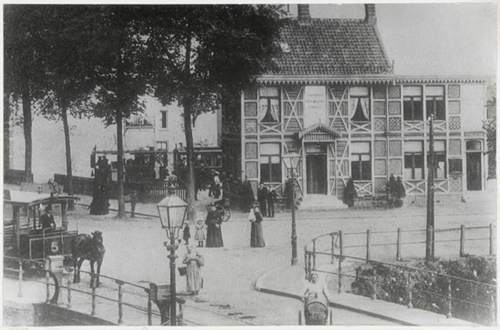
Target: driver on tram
{"x": 47, "y": 219}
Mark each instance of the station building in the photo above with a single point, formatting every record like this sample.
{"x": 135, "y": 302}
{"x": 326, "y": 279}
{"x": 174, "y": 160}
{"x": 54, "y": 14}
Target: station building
{"x": 335, "y": 100}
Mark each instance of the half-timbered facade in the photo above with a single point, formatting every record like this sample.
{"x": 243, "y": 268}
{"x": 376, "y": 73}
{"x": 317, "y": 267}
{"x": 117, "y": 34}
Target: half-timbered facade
{"x": 335, "y": 101}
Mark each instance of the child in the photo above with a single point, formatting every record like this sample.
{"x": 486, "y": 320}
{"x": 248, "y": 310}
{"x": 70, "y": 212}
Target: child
{"x": 200, "y": 232}
{"x": 186, "y": 235}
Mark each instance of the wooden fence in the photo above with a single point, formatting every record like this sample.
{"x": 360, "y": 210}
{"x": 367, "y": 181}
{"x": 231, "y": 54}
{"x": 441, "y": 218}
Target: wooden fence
{"x": 153, "y": 191}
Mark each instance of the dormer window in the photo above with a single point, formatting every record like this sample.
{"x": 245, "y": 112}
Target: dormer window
{"x": 359, "y": 104}
{"x": 269, "y": 105}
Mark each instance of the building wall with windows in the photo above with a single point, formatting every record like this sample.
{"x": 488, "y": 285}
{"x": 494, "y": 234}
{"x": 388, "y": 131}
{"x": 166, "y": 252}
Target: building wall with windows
{"x": 366, "y": 132}
{"x": 334, "y": 100}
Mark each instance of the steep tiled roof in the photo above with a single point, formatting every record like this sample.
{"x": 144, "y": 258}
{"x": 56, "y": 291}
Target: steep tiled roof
{"x": 330, "y": 47}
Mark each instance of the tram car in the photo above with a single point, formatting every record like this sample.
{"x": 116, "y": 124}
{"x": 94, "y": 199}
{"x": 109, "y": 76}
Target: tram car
{"x": 24, "y": 237}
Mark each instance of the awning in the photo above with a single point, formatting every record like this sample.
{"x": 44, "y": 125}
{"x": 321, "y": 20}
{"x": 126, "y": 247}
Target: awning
{"x": 318, "y": 133}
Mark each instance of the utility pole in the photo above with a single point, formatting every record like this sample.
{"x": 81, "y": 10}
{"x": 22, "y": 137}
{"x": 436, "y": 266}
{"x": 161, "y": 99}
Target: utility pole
{"x": 294, "y": 226}
{"x": 429, "y": 237}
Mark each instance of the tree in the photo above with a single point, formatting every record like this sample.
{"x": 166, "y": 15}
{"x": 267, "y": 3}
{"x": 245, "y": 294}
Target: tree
{"x": 208, "y": 51}
{"x": 24, "y": 67}
{"x": 70, "y": 62}
{"x": 122, "y": 73}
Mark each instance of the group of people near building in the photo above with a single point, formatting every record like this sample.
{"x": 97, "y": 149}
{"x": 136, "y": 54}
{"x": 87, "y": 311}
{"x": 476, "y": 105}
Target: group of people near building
{"x": 395, "y": 191}
{"x": 266, "y": 199}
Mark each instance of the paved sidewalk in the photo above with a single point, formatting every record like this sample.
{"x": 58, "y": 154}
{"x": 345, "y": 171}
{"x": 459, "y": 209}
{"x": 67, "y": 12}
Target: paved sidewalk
{"x": 20, "y": 308}
{"x": 290, "y": 282}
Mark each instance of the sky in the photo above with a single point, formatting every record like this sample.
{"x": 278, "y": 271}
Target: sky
{"x": 430, "y": 38}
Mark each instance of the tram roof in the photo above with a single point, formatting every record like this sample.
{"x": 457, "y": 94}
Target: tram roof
{"x": 30, "y": 198}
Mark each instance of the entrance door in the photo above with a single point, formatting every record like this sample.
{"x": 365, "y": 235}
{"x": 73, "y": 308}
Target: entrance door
{"x": 316, "y": 174}
{"x": 473, "y": 171}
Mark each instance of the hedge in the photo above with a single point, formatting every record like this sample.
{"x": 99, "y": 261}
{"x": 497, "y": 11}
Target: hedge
{"x": 470, "y": 301}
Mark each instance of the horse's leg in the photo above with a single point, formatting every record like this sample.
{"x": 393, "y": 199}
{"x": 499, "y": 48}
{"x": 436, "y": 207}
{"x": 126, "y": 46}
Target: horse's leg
{"x": 99, "y": 262}
{"x": 77, "y": 270}
{"x": 92, "y": 273}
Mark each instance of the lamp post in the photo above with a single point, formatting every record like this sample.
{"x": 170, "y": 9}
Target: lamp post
{"x": 172, "y": 210}
{"x": 291, "y": 162}
{"x": 429, "y": 236}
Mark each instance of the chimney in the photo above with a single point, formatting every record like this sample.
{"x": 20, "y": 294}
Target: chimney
{"x": 370, "y": 16}
{"x": 303, "y": 12}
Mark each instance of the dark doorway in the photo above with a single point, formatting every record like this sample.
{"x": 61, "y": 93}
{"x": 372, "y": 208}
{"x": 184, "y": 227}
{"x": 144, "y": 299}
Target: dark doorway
{"x": 316, "y": 174}
{"x": 473, "y": 171}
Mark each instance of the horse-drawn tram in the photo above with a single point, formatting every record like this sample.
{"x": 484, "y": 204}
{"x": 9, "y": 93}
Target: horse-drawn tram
{"x": 36, "y": 226}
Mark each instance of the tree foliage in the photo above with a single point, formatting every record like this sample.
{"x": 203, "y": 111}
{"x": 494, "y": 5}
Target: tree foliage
{"x": 206, "y": 52}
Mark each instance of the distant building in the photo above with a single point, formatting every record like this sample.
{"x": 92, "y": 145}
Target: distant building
{"x": 335, "y": 100}
{"x": 160, "y": 128}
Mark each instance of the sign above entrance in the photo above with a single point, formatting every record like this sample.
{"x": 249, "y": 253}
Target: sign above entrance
{"x": 314, "y": 105}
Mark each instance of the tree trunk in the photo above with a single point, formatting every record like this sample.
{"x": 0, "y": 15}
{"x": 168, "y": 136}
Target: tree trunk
{"x": 188, "y": 131}
{"x": 6, "y": 134}
{"x": 119, "y": 163}
{"x": 69, "y": 170}
{"x": 26, "y": 99}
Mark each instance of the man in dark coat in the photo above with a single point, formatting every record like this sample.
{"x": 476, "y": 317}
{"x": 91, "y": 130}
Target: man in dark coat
{"x": 262, "y": 199}
{"x": 271, "y": 197}
{"x": 47, "y": 220}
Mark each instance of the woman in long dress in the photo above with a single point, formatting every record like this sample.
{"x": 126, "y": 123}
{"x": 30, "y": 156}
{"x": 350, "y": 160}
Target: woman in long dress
{"x": 256, "y": 234}
{"x": 214, "y": 231}
{"x": 193, "y": 261}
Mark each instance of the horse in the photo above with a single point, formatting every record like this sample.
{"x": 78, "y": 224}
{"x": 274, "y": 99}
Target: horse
{"x": 91, "y": 248}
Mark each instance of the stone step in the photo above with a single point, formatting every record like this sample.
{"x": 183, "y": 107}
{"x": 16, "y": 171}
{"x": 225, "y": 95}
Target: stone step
{"x": 321, "y": 202}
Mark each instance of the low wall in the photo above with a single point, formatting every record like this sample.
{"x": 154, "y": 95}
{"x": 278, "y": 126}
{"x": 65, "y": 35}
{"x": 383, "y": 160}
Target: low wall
{"x": 53, "y": 315}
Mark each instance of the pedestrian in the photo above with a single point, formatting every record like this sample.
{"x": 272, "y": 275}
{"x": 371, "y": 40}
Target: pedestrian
{"x": 200, "y": 232}
{"x": 214, "y": 232}
{"x": 390, "y": 189}
{"x": 217, "y": 185}
{"x": 271, "y": 197}
{"x": 349, "y": 193}
{"x": 256, "y": 234}
{"x": 47, "y": 220}
{"x": 400, "y": 192}
{"x": 262, "y": 198}
{"x": 186, "y": 235}
{"x": 194, "y": 261}
{"x": 247, "y": 195}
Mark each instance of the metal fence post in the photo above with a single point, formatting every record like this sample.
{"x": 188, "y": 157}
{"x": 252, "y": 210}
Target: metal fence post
{"x": 305, "y": 260}
{"x": 493, "y": 309}
{"x": 92, "y": 311}
{"x": 333, "y": 248}
{"x": 374, "y": 283}
{"x": 300, "y": 318}
{"x": 47, "y": 281}
{"x": 491, "y": 239}
{"x": 68, "y": 285}
{"x": 314, "y": 254}
{"x": 120, "y": 305}
{"x": 149, "y": 307}
{"x": 409, "y": 290}
{"x": 367, "y": 245}
{"x": 20, "y": 287}
{"x": 448, "y": 315}
{"x": 398, "y": 245}
{"x": 462, "y": 241}
{"x": 340, "y": 262}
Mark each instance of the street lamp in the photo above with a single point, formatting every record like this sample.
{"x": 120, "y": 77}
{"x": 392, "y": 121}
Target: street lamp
{"x": 172, "y": 210}
{"x": 291, "y": 162}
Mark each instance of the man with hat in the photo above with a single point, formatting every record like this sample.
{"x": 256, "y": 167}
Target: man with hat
{"x": 47, "y": 219}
